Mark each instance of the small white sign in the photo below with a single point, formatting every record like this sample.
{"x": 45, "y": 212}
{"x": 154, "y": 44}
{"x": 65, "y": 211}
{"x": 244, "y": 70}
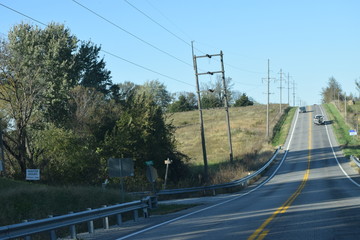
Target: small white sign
{"x": 352, "y": 132}
{"x": 32, "y": 174}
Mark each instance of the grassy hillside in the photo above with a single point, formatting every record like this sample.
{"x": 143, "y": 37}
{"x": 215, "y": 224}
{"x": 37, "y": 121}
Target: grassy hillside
{"x": 248, "y": 129}
{"x": 21, "y": 200}
{"x": 349, "y": 144}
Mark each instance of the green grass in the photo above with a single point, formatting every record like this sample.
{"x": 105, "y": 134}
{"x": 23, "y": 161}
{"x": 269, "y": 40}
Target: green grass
{"x": 22, "y": 200}
{"x": 283, "y": 127}
{"x": 349, "y": 144}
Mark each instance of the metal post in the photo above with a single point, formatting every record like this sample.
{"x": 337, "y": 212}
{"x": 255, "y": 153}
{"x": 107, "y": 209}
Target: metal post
{"x": 52, "y": 232}
{"x": 72, "y": 230}
{"x": 226, "y": 107}
{"x": 90, "y": 224}
{"x": 105, "y": 220}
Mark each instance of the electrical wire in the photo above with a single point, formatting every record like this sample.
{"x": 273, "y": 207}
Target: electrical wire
{"x": 107, "y": 52}
{"x": 131, "y": 34}
{"x": 143, "y": 13}
{"x": 23, "y": 14}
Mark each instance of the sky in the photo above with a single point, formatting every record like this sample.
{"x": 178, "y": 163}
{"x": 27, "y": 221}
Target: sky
{"x": 308, "y": 41}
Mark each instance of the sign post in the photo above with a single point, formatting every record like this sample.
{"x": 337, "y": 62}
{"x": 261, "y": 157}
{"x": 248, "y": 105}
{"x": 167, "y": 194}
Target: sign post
{"x": 167, "y": 162}
{"x": 151, "y": 174}
{"x": 121, "y": 167}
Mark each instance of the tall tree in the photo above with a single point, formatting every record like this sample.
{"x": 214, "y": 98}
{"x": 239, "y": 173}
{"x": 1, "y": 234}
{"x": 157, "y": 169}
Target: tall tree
{"x": 332, "y": 90}
{"x": 36, "y": 74}
{"x": 91, "y": 69}
{"x": 243, "y": 101}
{"x": 158, "y": 92}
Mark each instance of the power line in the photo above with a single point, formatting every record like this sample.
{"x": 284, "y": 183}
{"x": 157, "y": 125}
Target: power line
{"x": 143, "y": 13}
{"x": 131, "y": 34}
{"x": 23, "y": 14}
{"x": 109, "y": 53}
{"x": 148, "y": 69}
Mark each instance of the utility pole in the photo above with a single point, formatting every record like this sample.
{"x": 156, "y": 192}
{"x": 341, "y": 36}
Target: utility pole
{"x": 268, "y": 102}
{"x": 200, "y": 116}
{"x": 288, "y": 82}
{"x": 281, "y": 87}
{"x": 294, "y": 93}
{"x": 226, "y": 107}
{"x": 345, "y": 109}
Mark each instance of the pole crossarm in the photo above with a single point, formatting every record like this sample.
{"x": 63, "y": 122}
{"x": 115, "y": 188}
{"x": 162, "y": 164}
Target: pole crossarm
{"x": 211, "y": 73}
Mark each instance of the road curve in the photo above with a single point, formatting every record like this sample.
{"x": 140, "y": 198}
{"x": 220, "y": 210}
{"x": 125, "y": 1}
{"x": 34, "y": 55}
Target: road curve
{"x": 315, "y": 194}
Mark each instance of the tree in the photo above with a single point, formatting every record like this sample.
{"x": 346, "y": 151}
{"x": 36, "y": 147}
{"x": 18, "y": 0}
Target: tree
{"x": 36, "y": 74}
{"x": 90, "y": 70}
{"x": 143, "y": 134}
{"x": 357, "y": 83}
{"x": 213, "y": 93}
{"x": 243, "y": 101}
{"x": 331, "y": 92}
{"x": 158, "y": 92}
{"x": 186, "y": 102}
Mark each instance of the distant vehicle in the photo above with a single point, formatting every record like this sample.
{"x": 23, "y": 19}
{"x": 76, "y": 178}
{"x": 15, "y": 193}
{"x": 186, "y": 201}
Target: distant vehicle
{"x": 319, "y": 120}
{"x": 302, "y": 109}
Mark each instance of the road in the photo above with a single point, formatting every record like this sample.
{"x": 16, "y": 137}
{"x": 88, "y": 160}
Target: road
{"x": 312, "y": 194}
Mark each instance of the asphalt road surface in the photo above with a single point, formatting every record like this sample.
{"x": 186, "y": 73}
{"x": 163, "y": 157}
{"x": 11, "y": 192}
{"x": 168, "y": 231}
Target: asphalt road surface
{"x": 312, "y": 194}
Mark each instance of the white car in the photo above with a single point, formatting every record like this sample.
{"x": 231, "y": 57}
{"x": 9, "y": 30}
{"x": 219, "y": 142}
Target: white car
{"x": 319, "y": 119}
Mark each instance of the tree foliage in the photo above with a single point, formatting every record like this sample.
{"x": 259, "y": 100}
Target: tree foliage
{"x": 64, "y": 115}
{"x": 332, "y": 91}
{"x": 243, "y": 101}
{"x": 185, "y": 102}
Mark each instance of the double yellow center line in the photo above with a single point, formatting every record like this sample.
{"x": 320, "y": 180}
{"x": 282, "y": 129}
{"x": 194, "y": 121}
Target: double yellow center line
{"x": 261, "y": 232}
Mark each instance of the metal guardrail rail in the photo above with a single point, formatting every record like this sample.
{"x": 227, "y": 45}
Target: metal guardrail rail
{"x": 26, "y": 229}
{"x": 51, "y": 224}
{"x": 355, "y": 160}
{"x": 235, "y": 183}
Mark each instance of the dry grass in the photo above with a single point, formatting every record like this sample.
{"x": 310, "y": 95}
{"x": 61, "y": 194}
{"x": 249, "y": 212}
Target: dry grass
{"x": 248, "y": 130}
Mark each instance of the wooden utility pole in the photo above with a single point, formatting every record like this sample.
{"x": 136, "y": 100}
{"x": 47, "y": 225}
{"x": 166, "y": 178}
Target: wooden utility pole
{"x": 294, "y": 93}
{"x": 281, "y": 87}
{"x": 226, "y": 108}
{"x": 268, "y": 102}
{"x": 200, "y": 117}
{"x": 224, "y": 92}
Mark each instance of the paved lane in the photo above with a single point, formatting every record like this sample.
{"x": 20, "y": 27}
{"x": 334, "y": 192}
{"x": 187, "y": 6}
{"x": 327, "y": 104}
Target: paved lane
{"x": 310, "y": 197}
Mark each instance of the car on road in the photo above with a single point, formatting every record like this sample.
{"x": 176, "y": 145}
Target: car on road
{"x": 302, "y": 109}
{"x": 319, "y": 120}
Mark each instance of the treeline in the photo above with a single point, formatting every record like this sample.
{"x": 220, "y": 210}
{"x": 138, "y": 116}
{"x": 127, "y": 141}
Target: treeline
{"x": 61, "y": 113}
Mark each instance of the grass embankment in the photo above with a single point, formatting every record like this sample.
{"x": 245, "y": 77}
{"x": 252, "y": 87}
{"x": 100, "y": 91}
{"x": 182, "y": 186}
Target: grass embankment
{"x": 349, "y": 144}
{"x": 22, "y": 201}
{"x": 282, "y": 128}
{"x": 250, "y": 146}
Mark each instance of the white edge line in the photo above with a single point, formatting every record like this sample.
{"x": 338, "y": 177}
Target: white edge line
{"x": 327, "y": 132}
{"x": 218, "y": 204}
{"x": 210, "y": 207}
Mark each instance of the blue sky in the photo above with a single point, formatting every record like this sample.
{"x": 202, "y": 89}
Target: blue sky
{"x": 310, "y": 40}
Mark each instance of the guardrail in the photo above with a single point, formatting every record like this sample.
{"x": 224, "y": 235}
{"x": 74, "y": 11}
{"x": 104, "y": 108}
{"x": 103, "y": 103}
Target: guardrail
{"x": 235, "y": 183}
{"x": 51, "y": 224}
{"x": 355, "y": 160}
